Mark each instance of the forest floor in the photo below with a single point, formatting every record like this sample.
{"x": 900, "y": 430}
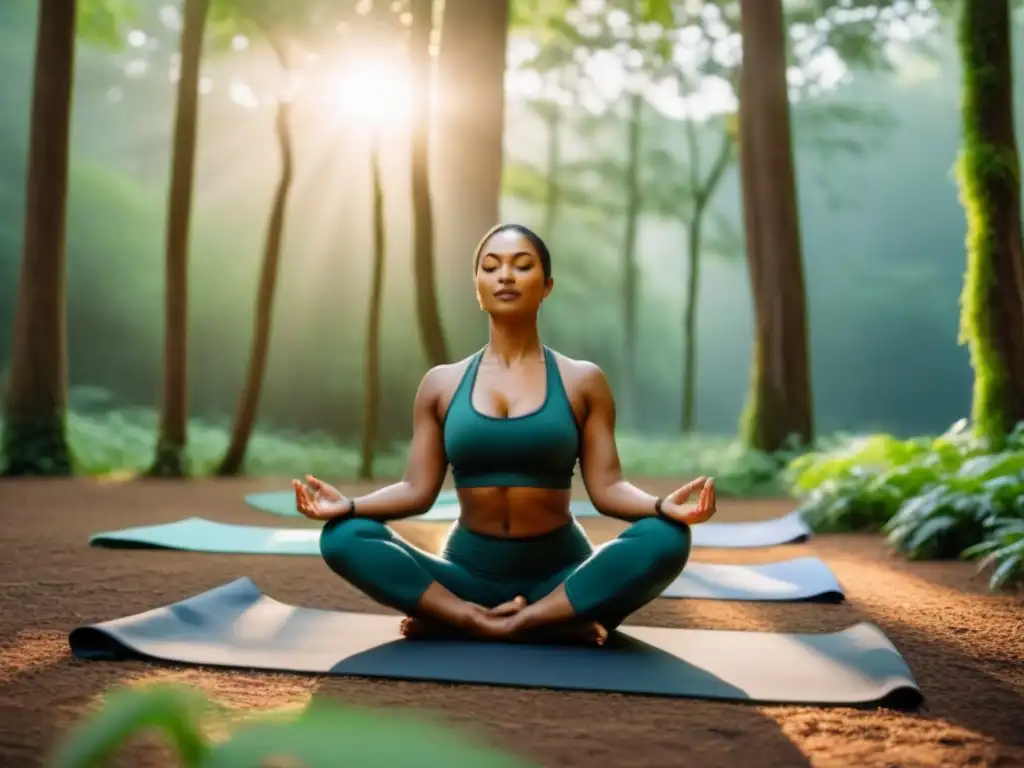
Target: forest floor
{"x": 965, "y": 646}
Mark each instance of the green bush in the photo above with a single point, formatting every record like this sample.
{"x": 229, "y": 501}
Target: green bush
{"x": 1003, "y": 549}
{"x": 940, "y": 497}
{"x": 321, "y": 736}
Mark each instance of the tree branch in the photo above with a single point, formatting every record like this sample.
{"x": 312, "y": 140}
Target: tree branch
{"x": 276, "y": 44}
{"x": 721, "y": 162}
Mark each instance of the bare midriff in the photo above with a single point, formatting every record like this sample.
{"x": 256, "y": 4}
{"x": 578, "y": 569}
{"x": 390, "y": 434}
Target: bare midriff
{"x": 514, "y": 513}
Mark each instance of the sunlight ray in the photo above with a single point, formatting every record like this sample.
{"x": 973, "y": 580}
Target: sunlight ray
{"x": 31, "y": 650}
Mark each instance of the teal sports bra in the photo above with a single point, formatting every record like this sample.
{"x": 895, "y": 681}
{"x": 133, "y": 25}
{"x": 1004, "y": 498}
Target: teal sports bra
{"x": 536, "y": 450}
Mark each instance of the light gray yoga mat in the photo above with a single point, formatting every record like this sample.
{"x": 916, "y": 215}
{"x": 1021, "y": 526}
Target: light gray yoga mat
{"x": 789, "y": 529}
{"x": 237, "y": 626}
{"x": 802, "y": 578}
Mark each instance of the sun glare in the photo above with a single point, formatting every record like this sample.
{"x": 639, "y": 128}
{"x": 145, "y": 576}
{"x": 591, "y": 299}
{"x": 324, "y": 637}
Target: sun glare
{"x": 376, "y": 91}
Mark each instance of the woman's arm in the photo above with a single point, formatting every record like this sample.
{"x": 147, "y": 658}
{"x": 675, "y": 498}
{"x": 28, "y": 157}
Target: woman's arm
{"x": 610, "y": 492}
{"x": 425, "y": 466}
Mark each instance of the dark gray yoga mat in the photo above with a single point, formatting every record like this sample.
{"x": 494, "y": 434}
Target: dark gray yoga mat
{"x": 789, "y": 529}
{"x": 802, "y": 578}
{"x": 237, "y": 626}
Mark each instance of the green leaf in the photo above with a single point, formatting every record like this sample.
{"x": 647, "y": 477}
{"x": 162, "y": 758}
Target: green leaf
{"x": 103, "y": 23}
{"x": 1011, "y": 569}
{"x": 978, "y": 550}
{"x": 177, "y": 711}
{"x": 313, "y": 23}
{"x": 326, "y": 737}
{"x": 995, "y": 466}
{"x": 532, "y": 14}
{"x": 924, "y": 538}
{"x": 659, "y": 12}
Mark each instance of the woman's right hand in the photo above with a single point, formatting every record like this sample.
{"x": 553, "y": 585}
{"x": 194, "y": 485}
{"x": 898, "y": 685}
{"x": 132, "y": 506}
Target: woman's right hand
{"x": 323, "y": 502}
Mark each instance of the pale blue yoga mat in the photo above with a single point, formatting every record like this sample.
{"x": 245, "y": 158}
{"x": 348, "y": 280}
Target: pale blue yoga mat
{"x": 789, "y": 529}
{"x": 445, "y": 509}
{"x": 237, "y": 626}
{"x": 799, "y": 579}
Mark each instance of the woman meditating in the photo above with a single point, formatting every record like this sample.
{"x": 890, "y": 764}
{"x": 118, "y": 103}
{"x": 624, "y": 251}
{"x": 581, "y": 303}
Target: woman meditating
{"x": 512, "y": 421}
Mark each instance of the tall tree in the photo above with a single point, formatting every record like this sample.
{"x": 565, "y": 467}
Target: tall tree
{"x": 630, "y": 265}
{"x": 245, "y": 417}
{"x": 371, "y": 374}
{"x": 701, "y": 187}
{"x": 173, "y": 430}
{"x": 779, "y": 405}
{"x": 35, "y": 439}
{"x": 470, "y": 127}
{"x": 989, "y": 170}
{"x": 428, "y": 313}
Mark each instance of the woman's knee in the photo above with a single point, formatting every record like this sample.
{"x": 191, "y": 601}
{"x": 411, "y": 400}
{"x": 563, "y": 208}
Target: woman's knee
{"x": 342, "y": 539}
{"x": 667, "y": 543}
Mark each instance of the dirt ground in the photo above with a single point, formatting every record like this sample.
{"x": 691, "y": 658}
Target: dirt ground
{"x": 966, "y": 647}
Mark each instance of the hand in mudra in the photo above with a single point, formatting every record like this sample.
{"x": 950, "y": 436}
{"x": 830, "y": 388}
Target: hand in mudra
{"x": 319, "y": 501}
{"x": 678, "y": 507}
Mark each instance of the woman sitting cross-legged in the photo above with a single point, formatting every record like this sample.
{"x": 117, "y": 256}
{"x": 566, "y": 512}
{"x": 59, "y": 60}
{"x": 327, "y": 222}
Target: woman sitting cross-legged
{"x": 512, "y": 421}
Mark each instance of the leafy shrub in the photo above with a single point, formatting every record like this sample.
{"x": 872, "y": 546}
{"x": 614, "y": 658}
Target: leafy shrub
{"x": 322, "y": 736}
{"x": 934, "y": 497}
{"x": 1004, "y": 549}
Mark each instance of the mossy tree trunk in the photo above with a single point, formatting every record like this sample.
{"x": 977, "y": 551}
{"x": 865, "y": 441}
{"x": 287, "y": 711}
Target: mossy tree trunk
{"x": 173, "y": 434}
{"x": 992, "y": 320}
{"x": 427, "y": 310}
{"x": 779, "y": 405}
{"x": 248, "y": 405}
{"x": 35, "y": 403}
{"x": 371, "y": 374}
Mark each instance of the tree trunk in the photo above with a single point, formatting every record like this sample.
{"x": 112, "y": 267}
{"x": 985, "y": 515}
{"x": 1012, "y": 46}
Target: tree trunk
{"x": 701, "y": 193}
{"x": 470, "y": 131}
{"x": 34, "y": 435}
{"x": 245, "y": 418}
{"x": 779, "y": 402}
{"x": 552, "y": 198}
{"x": 992, "y": 321}
{"x": 371, "y": 375}
{"x": 427, "y": 310}
{"x": 693, "y": 236}
{"x": 630, "y": 270}
{"x": 173, "y": 434}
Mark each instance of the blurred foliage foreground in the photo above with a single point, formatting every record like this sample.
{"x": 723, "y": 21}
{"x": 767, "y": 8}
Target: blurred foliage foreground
{"x": 935, "y": 498}
{"x": 204, "y": 735}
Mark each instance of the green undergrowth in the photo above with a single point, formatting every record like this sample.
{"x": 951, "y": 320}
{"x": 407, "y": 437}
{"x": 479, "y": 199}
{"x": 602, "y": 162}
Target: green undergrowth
{"x": 107, "y": 440}
{"x": 934, "y": 498}
{"x": 202, "y": 734}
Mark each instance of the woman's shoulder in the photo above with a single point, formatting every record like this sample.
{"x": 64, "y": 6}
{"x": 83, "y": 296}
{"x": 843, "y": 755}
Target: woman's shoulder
{"x": 579, "y": 372}
{"x": 442, "y": 376}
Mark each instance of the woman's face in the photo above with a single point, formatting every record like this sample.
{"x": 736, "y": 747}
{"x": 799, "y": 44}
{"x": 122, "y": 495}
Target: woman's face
{"x": 509, "y": 277}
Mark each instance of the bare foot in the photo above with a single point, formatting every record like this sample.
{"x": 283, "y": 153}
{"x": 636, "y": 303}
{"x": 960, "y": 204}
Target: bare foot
{"x": 421, "y": 629}
{"x": 510, "y": 629}
{"x": 485, "y": 623}
{"x": 570, "y": 633}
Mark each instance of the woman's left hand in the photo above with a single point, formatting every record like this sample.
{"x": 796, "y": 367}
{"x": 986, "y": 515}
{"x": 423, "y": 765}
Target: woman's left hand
{"x": 676, "y": 506}
{"x": 325, "y": 502}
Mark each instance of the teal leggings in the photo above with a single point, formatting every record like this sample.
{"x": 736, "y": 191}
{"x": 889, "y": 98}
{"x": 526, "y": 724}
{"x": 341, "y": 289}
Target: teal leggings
{"x": 604, "y": 584}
